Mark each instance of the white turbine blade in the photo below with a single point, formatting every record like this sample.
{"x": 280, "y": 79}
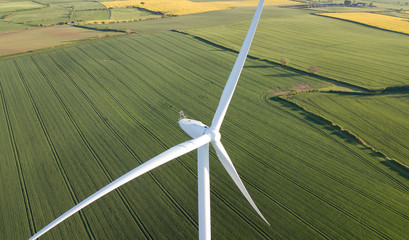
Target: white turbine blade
{"x": 236, "y": 71}
{"x": 228, "y": 165}
{"x": 162, "y": 158}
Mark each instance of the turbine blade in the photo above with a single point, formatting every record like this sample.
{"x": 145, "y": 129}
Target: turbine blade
{"x": 228, "y": 165}
{"x": 236, "y": 71}
{"x": 162, "y": 158}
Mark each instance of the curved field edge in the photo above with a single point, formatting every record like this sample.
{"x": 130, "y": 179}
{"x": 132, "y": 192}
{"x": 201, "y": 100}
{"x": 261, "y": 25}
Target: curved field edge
{"x": 384, "y": 132}
{"x": 116, "y": 74}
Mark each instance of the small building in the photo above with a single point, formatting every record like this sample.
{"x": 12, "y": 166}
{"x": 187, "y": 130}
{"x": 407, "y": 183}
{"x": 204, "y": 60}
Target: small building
{"x": 361, "y": 4}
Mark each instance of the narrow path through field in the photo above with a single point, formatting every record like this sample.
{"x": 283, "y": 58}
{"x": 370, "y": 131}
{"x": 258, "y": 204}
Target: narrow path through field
{"x": 23, "y": 186}
{"x": 54, "y": 152}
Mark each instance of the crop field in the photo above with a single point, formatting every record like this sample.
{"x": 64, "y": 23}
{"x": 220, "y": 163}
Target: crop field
{"x": 7, "y": 27}
{"x": 380, "y": 120}
{"x": 21, "y": 41}
{"x": 128, "y": 13}
{"x": 44, "y": 16}
{"x": 182, "y": 7}
{"x": 343, "y": 51}
{"x": 17, "y": 6}
{"x": 397, "y": 24}
{"x": 83, "y": 6}
{"x": 200, "y": 20}
{"x": 90, "y": 15}
{"x": 79, "y": 116}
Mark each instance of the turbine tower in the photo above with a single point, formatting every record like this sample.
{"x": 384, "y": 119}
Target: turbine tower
{"x": 201, "y": 135}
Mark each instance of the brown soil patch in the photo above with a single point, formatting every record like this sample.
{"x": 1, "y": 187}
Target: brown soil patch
{"x": 32, "y": 39}
{"x": 302, "y": 87}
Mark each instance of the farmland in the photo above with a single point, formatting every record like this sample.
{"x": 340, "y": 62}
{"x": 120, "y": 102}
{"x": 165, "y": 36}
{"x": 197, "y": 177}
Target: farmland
{"x": 343, "y": 51}
{"x": 79, "y": 116}
{"x": 182, "y": 7}
{"x": 19, "y": 41}
{"x": 397, "y": 24}
{"x": 76, "y": 117}
{"x": 18, "y": 6}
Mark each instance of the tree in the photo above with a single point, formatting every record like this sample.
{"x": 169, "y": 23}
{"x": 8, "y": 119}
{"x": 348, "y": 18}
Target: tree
{"x": 313, "y": 69}
{"x": 285, "y": 61}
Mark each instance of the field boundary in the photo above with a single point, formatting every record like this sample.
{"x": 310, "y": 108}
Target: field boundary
{"x": 352, "y": 135}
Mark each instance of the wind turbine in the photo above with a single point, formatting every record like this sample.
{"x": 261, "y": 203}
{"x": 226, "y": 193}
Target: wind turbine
{"x": 202, "y": 135}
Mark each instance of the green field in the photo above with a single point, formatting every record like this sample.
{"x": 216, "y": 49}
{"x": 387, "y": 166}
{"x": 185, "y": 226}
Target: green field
{"x": 99, "y": 14}
{"x": 18, "y": 6}
{"x": 127, "y": 13}
{"x": 6, "y": 27}
{"x": 343, "y": 51}
{"x": 80, "y": 116}
{"x": 45, "y": 17}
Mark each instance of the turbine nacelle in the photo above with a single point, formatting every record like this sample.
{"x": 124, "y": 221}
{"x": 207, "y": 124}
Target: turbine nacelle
{"x": 192, "y": 127}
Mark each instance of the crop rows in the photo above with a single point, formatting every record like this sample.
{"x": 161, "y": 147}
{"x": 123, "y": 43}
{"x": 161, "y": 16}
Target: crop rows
{"x": 54, "y": 152}
{"x": 120, "y": 139}
{"x": 23, "y": 186}
{"x": 112, "y": 104}
{"x": 93, "y": 152}
{"x": 184, "y": 165}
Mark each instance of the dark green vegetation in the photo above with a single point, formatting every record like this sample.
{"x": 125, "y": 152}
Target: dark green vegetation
{"x": 343, "y": 51}
{"x": 378, "y": 119}
{"x": 77, "y": 117}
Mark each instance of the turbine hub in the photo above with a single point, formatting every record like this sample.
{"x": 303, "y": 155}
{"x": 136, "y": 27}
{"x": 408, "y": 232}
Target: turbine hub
{"x": 215, "y": 134}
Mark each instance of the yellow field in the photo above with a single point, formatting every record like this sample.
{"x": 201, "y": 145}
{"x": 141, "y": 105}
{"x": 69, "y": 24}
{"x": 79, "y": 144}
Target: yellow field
{"x": 181, "y": 7}
{"x": 377, "y": 20}
{"x": 106, "y": 21}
